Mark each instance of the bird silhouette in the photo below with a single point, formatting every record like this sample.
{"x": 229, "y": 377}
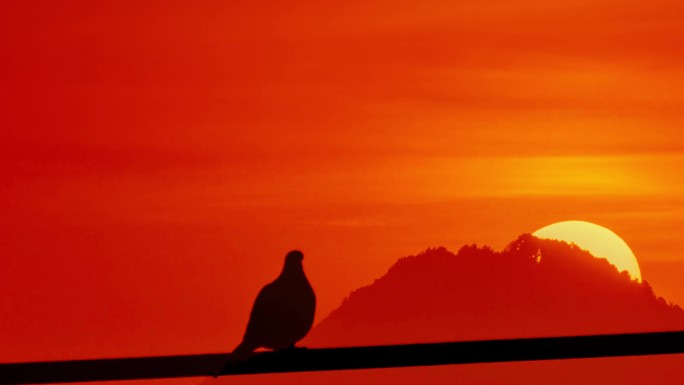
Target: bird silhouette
{"x": 283, "y": 311}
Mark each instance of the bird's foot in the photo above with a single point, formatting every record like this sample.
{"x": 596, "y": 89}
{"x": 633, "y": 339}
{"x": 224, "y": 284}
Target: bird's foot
{"x": 292, "y": 349}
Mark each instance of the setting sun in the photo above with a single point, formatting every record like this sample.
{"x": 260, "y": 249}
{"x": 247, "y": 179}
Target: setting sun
{"x": 598, "y": 240}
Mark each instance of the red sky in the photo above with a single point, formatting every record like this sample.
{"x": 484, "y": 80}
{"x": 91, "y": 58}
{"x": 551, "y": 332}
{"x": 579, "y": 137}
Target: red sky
{"x": 160, "y": 158}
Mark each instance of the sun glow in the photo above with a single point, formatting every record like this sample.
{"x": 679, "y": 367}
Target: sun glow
{"x": 598, "y": 240}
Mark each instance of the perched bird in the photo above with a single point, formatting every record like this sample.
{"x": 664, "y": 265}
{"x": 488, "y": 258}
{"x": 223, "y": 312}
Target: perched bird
{"x": 282, "y": 313}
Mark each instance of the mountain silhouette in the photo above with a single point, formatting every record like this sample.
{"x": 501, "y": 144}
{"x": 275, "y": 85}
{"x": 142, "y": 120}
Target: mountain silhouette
{"x": 533, "y": 288}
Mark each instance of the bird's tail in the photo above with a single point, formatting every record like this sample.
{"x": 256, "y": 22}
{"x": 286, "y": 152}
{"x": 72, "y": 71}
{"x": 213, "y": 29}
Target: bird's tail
{"x": 242, "y": 351}
{"x": 239, "y": 354}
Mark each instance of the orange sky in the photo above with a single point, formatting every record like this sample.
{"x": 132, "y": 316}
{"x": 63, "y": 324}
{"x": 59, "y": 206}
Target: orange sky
{"x": 160, "y": 158}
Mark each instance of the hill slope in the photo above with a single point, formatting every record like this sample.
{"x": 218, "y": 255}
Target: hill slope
{"x": 534, "y": 287}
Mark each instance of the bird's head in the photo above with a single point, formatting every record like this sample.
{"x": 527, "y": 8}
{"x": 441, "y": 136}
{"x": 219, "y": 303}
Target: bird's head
{"x": 294, "y": 258}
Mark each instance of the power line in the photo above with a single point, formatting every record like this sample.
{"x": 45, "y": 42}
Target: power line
{"x": 369, "y": 357}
